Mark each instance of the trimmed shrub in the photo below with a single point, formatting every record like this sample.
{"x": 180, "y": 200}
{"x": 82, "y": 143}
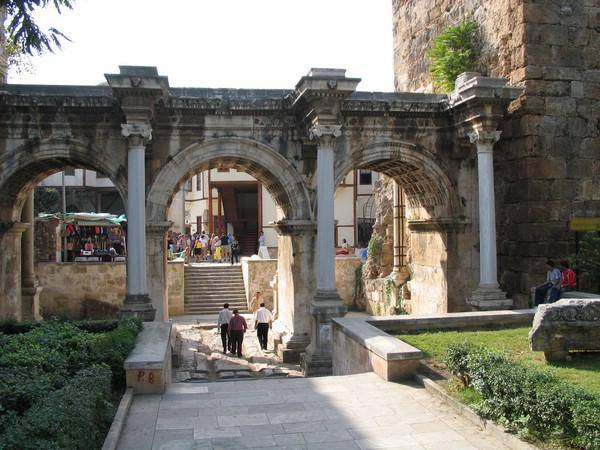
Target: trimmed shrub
{"x": 525, "y": 399}
{"x": 73, "y": 417}
{"x": 44, "y": 360}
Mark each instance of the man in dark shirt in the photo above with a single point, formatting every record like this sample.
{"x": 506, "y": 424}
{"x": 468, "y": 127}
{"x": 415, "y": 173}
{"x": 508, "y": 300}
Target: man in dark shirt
{"x": 237, "y": 328}
{"x": 225, "y": 248}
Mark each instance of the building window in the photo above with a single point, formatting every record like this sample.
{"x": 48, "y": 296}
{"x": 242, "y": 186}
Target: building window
{"x": 69, "y": 172}
{"x": 365, "y": 177}
{"x": 187, "y": 187}
{"x": 199, "y": 178}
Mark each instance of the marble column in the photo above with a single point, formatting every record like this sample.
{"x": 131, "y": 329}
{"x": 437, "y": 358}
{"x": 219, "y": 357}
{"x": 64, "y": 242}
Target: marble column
{"x": 326, "y": 303}
{"x": 396, "y": 223}
{"x": 30, "y": 291}
{"x": 137, "y": 301}
{"x": 488, "y": 295}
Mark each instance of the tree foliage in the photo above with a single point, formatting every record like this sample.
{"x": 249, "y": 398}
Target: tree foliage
{"x": 588, "y": 257}
{"x": 453, "y": 52}
{"x": 23, "y": 31}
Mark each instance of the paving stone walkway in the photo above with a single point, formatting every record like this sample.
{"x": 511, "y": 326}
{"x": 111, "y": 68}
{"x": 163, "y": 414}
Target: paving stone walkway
{"x": 201, "y": 357}
{"x": 344, "y": 412}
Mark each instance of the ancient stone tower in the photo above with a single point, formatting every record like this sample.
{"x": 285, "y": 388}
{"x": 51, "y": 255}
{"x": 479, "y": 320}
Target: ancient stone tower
{"x": 547, "y": 163}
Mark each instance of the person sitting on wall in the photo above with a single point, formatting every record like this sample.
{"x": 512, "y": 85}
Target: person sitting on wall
{"x": 568, "y": 279}
{"x": 552, "y": 284}
{"x": 344, "y": 249}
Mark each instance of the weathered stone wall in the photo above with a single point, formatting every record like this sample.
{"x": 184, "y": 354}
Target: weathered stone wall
{"x": 258, "y": 274}
{"x": 417, "y": 22}
{"x": 345, "y": 279}
{"x": 93, "y": 290}
{"x": 546, "y": 165}
{"x": 175, "y": 279}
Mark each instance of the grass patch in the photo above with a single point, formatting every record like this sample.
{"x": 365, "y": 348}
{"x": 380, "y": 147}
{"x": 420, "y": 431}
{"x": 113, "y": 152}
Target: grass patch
{"x": 583, "y": 370}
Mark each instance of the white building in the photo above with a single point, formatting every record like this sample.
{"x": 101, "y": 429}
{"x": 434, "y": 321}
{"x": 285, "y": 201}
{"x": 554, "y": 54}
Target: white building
{"x": 225, "y": 200}
{"x": 220, "y": 200}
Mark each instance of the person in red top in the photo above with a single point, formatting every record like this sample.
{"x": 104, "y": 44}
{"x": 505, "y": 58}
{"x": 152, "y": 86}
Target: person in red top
{"x": 237, "y": 328}
{"x": 569, "y": 279}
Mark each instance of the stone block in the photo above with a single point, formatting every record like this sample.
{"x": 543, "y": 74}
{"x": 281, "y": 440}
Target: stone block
{"x": 148, "y": 366}
{"x": 546, "y": 168}
{"x": 540, "y": 13}
{"x": 564, "y": 326}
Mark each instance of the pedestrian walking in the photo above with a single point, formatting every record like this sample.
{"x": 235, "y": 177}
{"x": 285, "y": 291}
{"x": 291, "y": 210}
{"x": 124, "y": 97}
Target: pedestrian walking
{"x": 263, "y": 251}
{"x": 235, "y": 250}
{"x": 225, "y": 316}
{"x": 263, "y": 321}
{"x": 225, "y": 248}
{"x": 237, "y": 328}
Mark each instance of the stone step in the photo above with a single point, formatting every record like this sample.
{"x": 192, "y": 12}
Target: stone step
{"x": 213, "y": 298}
{"x": 192, "y": 301}
{"x": 233, "y": 281}
{"x": 217, "y": 306}
{"x": 216, "y": 289}
{"x": 197, "y": 310}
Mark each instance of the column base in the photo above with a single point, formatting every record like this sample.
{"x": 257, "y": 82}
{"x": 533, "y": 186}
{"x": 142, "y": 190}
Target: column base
{"x": 30, "y": 301}
{"x": 138, "y": 306}
{"x": 317, "y": 360}
{"x": 289, "y": 352}
{"x": 489, "y": 298}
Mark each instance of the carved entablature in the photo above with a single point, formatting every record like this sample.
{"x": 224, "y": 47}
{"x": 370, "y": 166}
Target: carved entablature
{"x": 575, "y": 311}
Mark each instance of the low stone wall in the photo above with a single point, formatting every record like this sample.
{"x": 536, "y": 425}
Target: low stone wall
{"x": 345, "y": 278}
{"x": 93, "y": 290}
{"x": 258, "y": 274}
{"x": 479, "y": 320}
{"x": 148, "y": 366}
{"x": 359, "y": 347}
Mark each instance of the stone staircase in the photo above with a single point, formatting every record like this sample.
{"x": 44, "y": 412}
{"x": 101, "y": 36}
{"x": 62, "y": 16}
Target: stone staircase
{"x": 208, "y": 286}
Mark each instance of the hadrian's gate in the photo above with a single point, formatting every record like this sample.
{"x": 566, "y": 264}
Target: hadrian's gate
{"x": 148, "y": 137}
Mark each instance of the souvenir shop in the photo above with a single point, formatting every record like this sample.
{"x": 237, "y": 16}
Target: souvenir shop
{"x": 89, "y": 237}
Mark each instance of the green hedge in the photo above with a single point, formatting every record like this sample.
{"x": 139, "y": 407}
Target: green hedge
{"x": 525, "y": 399}
{"x": 50, "y": 356}
{"x": 75, "y": 416}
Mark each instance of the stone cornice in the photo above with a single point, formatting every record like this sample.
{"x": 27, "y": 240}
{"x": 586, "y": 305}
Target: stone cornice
{"x": 295, "y": 227}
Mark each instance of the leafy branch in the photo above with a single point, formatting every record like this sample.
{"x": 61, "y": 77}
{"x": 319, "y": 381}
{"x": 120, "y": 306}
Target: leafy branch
{"x": 25, "y": 33}
{"x": 453, "y": 52}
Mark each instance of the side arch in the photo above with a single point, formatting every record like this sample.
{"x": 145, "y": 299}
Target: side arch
{"x": 425, "y": 182}
{"x": 277, "y": 174}
{"x": 23, "y": 167}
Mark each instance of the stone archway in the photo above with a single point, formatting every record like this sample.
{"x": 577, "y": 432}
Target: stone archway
{"x": 279, "y": 176}
{"x": 426, "y": 182}
{"x": 433, "y": 230}
{"x": 276, "y": 173}
{"x": 25, "y": 166}
{"x": 21, "y": 169}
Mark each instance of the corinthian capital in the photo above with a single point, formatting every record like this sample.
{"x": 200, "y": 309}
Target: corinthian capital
{"x": 484, "y": 137}
{"x": 137, "y": 133}
{"x": 325, "y": 134}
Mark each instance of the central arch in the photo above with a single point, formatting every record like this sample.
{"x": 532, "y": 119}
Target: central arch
{"x": 264, "y": 163}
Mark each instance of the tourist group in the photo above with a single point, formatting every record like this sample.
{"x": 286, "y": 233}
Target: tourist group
{"x": 233, "y": 326}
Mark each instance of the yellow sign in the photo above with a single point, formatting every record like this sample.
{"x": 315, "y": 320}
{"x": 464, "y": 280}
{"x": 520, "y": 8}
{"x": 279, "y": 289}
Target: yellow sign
{"x": 585, "y": 224}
